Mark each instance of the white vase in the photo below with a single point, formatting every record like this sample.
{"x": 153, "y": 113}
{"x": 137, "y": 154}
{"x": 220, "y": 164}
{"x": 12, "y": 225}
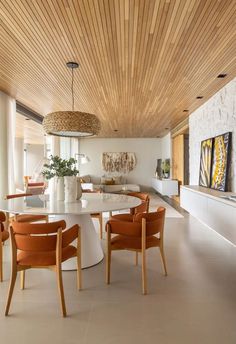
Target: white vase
{"x": 79, "y": 189}
{"x": 70, "y": 189}
{"x": 60, "y": 189}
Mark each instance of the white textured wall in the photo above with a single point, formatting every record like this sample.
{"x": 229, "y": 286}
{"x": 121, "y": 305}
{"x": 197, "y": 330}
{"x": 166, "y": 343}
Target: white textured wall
{"x": 147, "y": 152}
{"x": 19, "y": 163}
{"x": 34, "y": 156}
{"x": 166, "y": 146}
{"x": 215, "y": 117}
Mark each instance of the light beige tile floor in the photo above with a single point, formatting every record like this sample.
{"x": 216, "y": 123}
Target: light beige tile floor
{"x": 195, "y": 304}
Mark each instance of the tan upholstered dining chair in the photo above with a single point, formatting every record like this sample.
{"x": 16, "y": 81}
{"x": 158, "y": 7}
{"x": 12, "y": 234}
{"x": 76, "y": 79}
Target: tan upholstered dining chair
{"x": 142, "y": 208}
{"x": 26, "y": 217}
{"x": 145, "y": 231}
{"x": 43, "y": 245}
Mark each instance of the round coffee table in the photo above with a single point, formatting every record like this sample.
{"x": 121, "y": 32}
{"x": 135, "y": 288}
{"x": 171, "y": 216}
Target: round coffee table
{"x": 77, "y": 212}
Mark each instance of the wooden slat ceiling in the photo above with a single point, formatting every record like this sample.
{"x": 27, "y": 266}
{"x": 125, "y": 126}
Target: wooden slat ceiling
{"x": 142, "y": 62}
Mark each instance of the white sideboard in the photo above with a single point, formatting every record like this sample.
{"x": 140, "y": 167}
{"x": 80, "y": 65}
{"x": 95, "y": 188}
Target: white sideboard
{"x": 166, "y": 187}
{"x": 212, "y": 208}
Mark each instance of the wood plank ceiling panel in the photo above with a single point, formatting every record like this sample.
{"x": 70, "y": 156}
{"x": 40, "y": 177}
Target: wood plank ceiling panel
{"x": 142, "y": 62}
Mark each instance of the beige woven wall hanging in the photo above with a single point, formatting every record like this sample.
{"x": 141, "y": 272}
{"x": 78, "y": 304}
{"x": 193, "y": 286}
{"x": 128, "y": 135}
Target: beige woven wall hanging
{"x": 122, "y": 162}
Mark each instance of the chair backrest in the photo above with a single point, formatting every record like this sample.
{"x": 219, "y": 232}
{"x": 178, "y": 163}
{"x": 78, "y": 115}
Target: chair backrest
{"x": 18, "y": 195}
{"x": 154, "y": 221}
{"x": 42, "y": 237}
{"x": 2, "y": 219}
{"x": 144, "y": 206}
{"x": 154, "y": 224}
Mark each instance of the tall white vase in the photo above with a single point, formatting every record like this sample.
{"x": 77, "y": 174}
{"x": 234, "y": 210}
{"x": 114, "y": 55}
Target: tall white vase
{"x": 70, "y": 189}
{"x": 60, "y": 189}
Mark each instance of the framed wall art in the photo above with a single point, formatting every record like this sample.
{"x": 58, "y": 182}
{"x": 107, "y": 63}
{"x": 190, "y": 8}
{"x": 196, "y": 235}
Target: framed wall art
{"x": 205, "y": 163}
{"x": 220, "y": 161}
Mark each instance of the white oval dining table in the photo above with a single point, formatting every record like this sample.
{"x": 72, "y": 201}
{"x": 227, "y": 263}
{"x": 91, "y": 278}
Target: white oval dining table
{"x": 77, "y": 212}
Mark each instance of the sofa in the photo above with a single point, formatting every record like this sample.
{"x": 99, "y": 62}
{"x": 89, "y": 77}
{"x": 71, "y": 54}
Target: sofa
{"x": 109, "y": 184}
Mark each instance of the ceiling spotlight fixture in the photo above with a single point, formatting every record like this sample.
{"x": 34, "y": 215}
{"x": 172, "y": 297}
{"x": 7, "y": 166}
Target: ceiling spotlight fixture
{"x": 71, "y": 123}
{"x": 222, "y": 76}
{"x": 199, "y": 97}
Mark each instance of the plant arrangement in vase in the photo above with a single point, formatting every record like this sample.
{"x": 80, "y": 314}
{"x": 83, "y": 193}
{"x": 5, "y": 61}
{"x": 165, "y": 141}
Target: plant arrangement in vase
{"x": 66, "y": 172}
{"x": 166, "y": 168}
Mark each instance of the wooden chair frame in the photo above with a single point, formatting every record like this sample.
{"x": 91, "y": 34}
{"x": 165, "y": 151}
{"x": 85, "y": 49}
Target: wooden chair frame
{"x": 1, "y": 257}
{"x": 1, "y": 247}
{"x": 56, "y": 268}
{"x": 142, "y": 251}
{"x": 100, "y": 219}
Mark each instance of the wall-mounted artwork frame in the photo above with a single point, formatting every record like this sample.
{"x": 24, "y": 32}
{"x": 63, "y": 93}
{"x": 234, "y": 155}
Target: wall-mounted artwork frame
{"x": 206, "y": 162}
{"x": 122, "y": 162}
{"x": 220, "y": 161}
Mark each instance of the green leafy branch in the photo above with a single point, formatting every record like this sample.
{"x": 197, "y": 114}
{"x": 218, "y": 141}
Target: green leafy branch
{"x": 58, "y": 167}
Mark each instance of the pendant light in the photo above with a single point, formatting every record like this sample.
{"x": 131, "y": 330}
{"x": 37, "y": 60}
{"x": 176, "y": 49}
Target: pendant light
{"x": 71, "y": 123}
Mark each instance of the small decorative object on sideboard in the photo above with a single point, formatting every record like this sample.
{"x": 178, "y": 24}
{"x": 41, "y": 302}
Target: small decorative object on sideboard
{"x": 65, "y": 171}
{"x": 166, "y": 168}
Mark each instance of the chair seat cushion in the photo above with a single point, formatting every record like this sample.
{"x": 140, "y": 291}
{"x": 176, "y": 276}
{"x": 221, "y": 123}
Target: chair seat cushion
{"x": 5, "y": 235}
{"x": 30, "y": 218}
{"x": 44, "y": 258}
{"x": 121, "y": 242}
{"x": 122, "y": 217}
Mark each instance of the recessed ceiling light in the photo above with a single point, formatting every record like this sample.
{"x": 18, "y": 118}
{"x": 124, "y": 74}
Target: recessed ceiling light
{"x": 185, "y": 110}
{"x": 222, "y": 75}
{"x": 199, "y": 97}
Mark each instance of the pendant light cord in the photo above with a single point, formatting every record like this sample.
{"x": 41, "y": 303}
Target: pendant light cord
{"x": 72, "y": 90}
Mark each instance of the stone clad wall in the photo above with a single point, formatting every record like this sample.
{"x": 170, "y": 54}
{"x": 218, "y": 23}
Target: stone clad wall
{"x": 215, "y": 117}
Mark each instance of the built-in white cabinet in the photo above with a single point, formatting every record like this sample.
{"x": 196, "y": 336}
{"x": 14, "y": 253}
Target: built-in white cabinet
{"x": 212, "y": 208}
{"x": 166, "y": 187}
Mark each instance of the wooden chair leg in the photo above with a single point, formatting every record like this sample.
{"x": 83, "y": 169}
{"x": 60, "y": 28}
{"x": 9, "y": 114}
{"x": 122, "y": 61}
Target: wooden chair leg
{"x": 11, "y": 288}
{"x": 108, "y": 256}
{"x": 1, "y": 261}
{"x": 136, "y": 258}
{"x": 61, "y": 290}
{"x": 163, "y": 260}
{"x": 144, "y": 271}
{"x": 79, "y": 275}
{"x": 59, "y": 272}
{"x": 100, "y": 223}
{"x": 22, "y": 280}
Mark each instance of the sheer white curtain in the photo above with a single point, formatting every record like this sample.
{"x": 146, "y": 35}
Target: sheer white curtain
{"x": 11, "y": 136}
{"x": 7, "y": 144}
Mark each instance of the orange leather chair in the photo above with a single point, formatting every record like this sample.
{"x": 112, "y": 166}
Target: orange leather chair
{"x": 27, "y": 217}
{"x": 43, "y": 245}
{"x": 142, "y": 208}
{"x": 137, "y": 236}
{"x": 4, "y": 235}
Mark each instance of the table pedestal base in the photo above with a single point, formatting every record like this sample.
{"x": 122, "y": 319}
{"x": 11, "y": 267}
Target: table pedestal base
{"x": 91, "y": 250}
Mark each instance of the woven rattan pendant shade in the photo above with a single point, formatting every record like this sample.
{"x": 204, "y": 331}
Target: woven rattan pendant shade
{"x": 71, "y": 123}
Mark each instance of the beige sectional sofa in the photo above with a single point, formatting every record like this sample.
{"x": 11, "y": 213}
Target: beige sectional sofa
{"x": 107, "y": 184}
